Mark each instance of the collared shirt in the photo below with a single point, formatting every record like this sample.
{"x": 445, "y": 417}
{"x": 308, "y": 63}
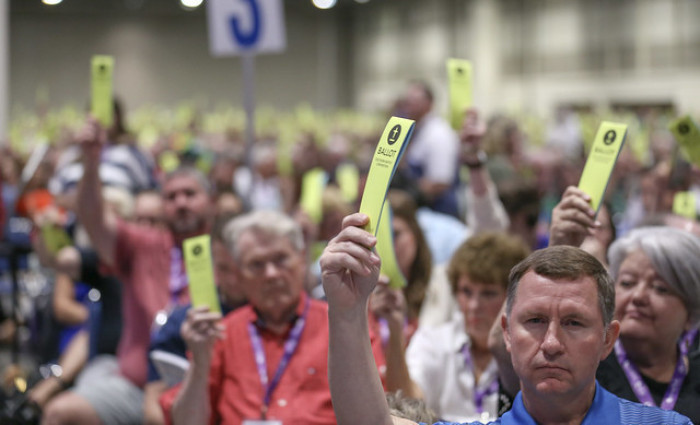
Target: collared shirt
{"x": 142, "y": 263}
{"x": 436, "y": 364}
{"x": 607, "y": 409}
{"x": 302, "y": 396}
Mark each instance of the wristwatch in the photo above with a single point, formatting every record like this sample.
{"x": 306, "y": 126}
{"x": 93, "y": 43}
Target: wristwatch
{"x": 476, "y": 160}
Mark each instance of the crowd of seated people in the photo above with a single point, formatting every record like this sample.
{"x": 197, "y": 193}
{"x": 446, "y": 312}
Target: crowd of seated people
{"x": 109, "y": 220}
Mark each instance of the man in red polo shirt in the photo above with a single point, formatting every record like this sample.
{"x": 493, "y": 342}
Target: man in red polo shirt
{"x": 267, "y": 360}
{"x": 148, "y": 262}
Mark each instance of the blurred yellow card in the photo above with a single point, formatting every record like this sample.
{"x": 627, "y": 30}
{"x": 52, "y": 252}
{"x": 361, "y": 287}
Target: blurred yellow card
{"x": 311, "y": 201}
{"x": 601, "y": 161}
{"x": 459, "y": 76}
{"x": 348, "y": 177}
{"x": 55, "y": 237}
{"x": 102, "y": 106}
{"x": 200, "y": 272}
{"x": 684, "y": 204}
{"x": 385, "y": 250}
{"x": 688, "y": 136}
{"x": 389, "y": 150}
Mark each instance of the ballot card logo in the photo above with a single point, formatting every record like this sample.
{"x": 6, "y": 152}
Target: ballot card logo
{"x": 610, "y": 137}
{"x": 683, "y": 128}
{"x": 197, "y": 250}
{"x": 394, "y": 134}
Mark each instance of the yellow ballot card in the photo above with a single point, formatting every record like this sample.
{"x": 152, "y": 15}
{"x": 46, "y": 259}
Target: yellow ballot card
{"x": 385, "y": 250}
{"x": 601, "y": 160}
{"x": 101, "y": 89}
{"x": 311, "y": 201}
{"x": 389, "y": 150}
{"x": 684, "y": 204}
{"x": 459, "y": 76}
{"x": 200, "y": 272}
{"x": 55, "y": 237}
{"x": 688, "y": 136}
{"x": 348, "y": 177}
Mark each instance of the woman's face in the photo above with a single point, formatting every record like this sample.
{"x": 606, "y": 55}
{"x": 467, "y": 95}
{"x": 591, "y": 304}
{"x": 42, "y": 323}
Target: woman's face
{"x": 645, "y": 305}
{"x": 405, "y": 245}
{"x": 480, "y": 304}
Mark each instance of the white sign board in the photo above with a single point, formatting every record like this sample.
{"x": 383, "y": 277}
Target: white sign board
{"x": 238, "y": 26}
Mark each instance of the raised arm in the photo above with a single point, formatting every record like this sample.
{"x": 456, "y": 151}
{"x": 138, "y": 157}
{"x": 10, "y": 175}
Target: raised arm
{"x": 101, "y": 225}
{"x": 200, "y": 330}
{"x": 389, "y": 304}
{"x": 349, "y": 270}
{"x": 485, "y": 210}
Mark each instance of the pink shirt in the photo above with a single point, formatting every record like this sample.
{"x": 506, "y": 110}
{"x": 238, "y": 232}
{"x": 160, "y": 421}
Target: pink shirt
{"x": 142, "y": 263}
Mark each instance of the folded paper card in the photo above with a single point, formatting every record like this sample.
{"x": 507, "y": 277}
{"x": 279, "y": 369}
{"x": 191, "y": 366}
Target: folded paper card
{"x": 386, "y": 157}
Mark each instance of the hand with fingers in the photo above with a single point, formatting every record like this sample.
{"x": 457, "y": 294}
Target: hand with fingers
{"x": 471, "y": 136}
{"x": 200, "y": 330}
{"x": 91, "y": 138}
{"x": 388, "y": 303}
{"x": 573, "y": 219}
{"x": 350, "y": 267}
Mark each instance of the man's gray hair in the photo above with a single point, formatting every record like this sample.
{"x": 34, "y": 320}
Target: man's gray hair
{"x": 675, "y": 256}
{"x": 565, "y": 262}
{"x": 267, "y": 222}
{"x": 195, "y": 174}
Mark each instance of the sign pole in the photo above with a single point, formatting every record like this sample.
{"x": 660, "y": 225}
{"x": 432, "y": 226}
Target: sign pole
{"x": 248, "y": 62}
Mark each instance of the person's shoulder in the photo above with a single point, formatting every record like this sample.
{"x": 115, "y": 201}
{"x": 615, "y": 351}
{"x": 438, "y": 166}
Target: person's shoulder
{"x": 639, "y": 414}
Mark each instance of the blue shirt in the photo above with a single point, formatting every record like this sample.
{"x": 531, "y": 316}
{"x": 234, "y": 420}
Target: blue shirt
{"x": 607, "y": 409}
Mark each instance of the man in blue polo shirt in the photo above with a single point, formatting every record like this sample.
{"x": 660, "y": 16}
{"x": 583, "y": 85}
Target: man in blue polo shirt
{"x": 558, "y": 326}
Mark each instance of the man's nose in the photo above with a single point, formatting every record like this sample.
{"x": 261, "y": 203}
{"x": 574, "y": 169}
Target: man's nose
{"x": 271, "y": 269}
{"x": 552, "y": 342}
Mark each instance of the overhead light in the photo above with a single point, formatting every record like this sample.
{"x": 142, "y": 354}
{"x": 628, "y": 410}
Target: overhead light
{"x": 324, "y": 4}
{"x": 51, "y": 2}
{"x": 191, "y": 3}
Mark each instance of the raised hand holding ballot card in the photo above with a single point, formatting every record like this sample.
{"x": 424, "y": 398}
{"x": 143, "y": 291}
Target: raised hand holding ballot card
{"x": 601, "y": 161}
{"x": 389, "y": 150}
{"x": 459, "y": 76}
{"x": 200, "y": 272}
{"x": 101, "y": 106}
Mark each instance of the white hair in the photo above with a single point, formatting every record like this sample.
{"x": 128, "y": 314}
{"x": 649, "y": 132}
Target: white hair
{"x": 269, "y": 222}
{"x": 675, "y": 256}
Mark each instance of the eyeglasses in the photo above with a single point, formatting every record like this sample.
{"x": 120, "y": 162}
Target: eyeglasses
{"x": 281, "y": 261}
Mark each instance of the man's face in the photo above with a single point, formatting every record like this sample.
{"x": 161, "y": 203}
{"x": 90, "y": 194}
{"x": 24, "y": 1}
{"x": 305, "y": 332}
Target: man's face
{"x": 416, "y": 103}
{"x": 272, "y": 273}
{"x": 556, "y": 337}
{"x": 186, "y": 205}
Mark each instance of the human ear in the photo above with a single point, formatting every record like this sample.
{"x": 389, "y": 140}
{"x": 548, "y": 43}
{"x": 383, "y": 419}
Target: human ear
{"x": 504, "y": 327}
{"x": 611, "y": 334}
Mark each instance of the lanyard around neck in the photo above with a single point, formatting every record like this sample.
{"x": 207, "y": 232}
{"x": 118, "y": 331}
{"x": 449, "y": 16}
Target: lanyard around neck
{"x": 641, "y": 390}
{"x": 290, "y": 347}
{"x": 479, "y": 394}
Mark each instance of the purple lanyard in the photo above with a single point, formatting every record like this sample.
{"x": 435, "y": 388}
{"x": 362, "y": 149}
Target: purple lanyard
{"x": 290, "y": 347}
{"x": 641, "y": 390}
{"x": 178, "y": 277}
{"x": 384, "y": 332}
{"x": 479, "y": 395}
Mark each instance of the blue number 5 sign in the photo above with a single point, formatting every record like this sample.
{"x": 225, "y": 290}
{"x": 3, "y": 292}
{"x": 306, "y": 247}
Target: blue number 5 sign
{"x": 247, "y": 38}
{"x": 245, "y": 25}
